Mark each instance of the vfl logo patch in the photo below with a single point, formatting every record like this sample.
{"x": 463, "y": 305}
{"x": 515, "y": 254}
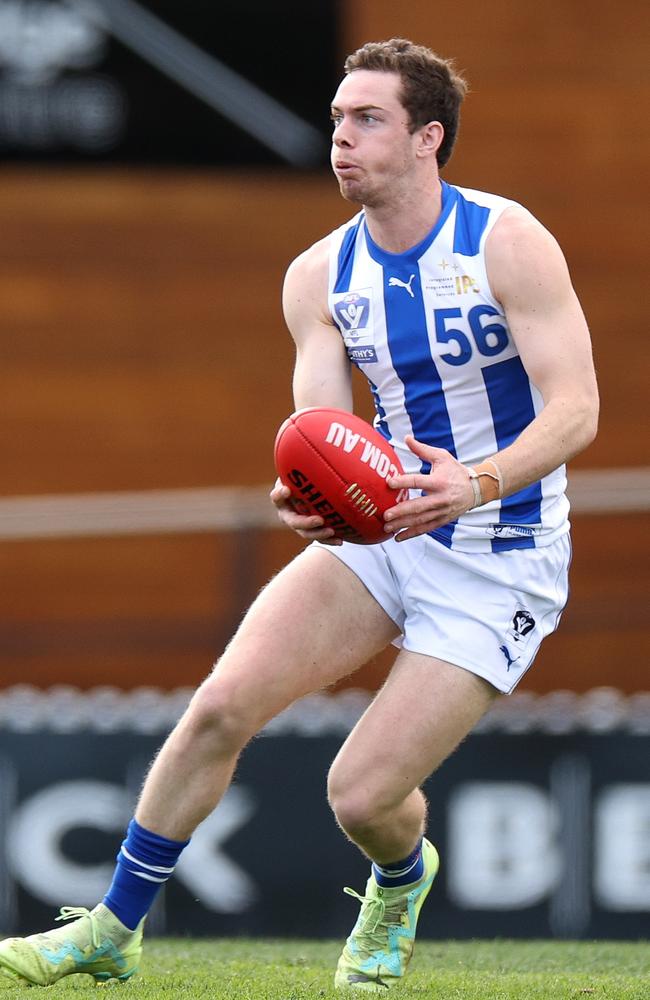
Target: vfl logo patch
{"x": 521, "y": 626}
{"x": 352, "y": 312}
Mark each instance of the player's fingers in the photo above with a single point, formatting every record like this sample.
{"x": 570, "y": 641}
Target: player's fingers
{"x": 419, "y": 524}
{"x": 279, "y": 494}
{"x": 406, "y": 533}
{"x": 409, "y": 481}
{"x": 300, "y": 522}
{"x": 422, "y": 528}
{"x": 323, "y": 537}
{"x": 425, "y": 451}
{"x": 319, "y": 534}
{"x": 410, "y": 511}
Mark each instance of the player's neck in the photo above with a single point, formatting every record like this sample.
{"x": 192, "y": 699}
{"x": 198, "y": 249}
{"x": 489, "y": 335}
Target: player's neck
{"x": 402, "y": 223}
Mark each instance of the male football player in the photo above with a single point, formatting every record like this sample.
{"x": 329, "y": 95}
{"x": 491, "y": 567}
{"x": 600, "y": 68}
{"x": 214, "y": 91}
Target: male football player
{"x": 478, "y": 356}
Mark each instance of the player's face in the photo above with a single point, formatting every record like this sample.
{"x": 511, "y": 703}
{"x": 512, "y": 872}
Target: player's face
{"x": 372, "y": 149}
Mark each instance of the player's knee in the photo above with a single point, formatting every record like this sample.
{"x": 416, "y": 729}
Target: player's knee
{"x": 356, "y": 816}
{"x": 355, "y": 810}
{"x": 215, "y": 712}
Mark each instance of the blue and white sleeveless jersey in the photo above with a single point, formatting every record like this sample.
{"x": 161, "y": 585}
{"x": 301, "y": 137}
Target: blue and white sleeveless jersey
{"x": 434, "y": 344}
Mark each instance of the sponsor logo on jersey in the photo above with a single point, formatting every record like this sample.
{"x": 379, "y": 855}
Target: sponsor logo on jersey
{"x": 352, "y": 312}
{"x": 513, "y": 530}
{"x": 452, "y": 285}
{"x": 398, "y": 283}
{"x": 463, "y": 284}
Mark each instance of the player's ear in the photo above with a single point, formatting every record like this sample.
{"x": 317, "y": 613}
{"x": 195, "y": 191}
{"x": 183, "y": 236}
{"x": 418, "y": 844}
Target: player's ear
{"x": 430, "y": 139}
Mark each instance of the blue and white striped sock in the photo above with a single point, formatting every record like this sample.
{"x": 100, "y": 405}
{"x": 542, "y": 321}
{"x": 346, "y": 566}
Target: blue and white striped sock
{"x": 410, "y": 869}
{"x": 144, "y": 864}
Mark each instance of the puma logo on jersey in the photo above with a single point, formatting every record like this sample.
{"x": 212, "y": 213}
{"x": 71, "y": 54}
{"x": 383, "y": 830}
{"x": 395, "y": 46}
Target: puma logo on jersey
{"x": 403, "y": 284}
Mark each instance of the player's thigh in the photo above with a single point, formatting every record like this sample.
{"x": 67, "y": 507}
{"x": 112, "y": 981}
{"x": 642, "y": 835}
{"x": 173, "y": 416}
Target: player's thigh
{"x": 313, "y": 624}
{"x": 424, "y": 710}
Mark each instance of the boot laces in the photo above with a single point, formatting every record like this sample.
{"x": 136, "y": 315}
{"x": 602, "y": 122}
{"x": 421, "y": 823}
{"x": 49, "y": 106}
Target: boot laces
{"x": 374, "y": 920}
{"x": 74, "y": 913}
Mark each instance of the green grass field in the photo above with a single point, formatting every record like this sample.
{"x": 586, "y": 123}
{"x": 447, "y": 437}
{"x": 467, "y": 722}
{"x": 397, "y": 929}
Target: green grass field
{"x": 298, "y": 970}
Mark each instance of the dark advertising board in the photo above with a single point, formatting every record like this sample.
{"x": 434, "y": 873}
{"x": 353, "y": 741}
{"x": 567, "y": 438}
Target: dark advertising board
{"x": 541, "y": 834}
{"x": 137, "y": 81}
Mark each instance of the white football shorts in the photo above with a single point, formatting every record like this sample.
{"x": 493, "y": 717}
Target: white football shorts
{"x": 484, "y": 611}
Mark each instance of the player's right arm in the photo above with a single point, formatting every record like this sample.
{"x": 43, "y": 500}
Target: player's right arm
{"x": 322, "y": 375}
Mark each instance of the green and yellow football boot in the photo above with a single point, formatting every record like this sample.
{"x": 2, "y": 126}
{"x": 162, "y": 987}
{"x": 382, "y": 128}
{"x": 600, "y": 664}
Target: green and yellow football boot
{"x": 379, "y": 949}
{"x": 95, "y": 943}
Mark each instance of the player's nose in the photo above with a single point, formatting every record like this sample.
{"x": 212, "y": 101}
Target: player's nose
{"x": 342, "y": 135}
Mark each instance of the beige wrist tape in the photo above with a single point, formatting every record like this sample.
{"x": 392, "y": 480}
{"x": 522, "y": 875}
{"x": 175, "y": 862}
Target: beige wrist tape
{"x": 487, "y": 485}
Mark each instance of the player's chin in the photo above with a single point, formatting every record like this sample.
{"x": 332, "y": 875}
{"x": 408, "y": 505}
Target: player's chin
{"x": 352, "y": 191}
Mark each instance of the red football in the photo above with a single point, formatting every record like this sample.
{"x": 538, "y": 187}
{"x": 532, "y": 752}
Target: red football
{"x": 335, "y": 465}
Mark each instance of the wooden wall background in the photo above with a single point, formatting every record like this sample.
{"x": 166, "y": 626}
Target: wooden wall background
{"x": 142, "y": 346}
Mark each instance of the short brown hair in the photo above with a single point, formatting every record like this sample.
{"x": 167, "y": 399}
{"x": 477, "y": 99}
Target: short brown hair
{"x": 432, "y": 90}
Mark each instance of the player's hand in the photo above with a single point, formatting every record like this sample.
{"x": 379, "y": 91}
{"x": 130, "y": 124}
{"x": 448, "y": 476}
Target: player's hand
{"x": 447, "y": 493}
{"x": 312, "y": 528}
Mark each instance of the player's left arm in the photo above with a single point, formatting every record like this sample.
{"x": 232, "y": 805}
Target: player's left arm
{"x": 529, "y": 277}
